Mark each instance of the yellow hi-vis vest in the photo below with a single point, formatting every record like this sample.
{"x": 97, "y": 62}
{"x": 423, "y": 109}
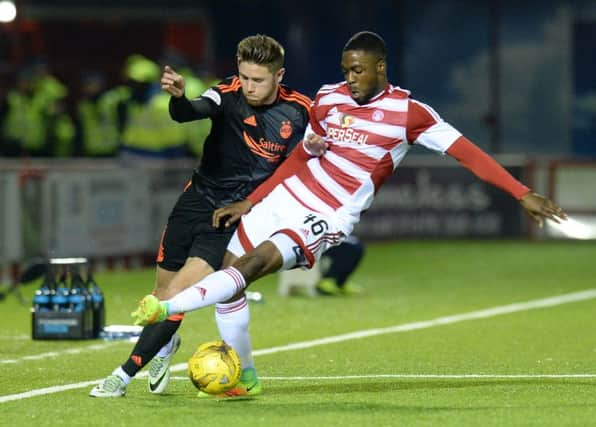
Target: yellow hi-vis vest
{"x": 64, "y": 132}
{"x": 34, "y": 122}
{"x": 100, "y": 122}
{"x": 149, "y": 126}
{"x": 26, "y": 121}
{"x": 49, "y": 93}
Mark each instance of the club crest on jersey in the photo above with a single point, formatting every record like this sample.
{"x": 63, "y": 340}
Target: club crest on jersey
{"x": 378, "y": 115}
{"x": 286, "y": 130}
{"x": 346, "y": 121}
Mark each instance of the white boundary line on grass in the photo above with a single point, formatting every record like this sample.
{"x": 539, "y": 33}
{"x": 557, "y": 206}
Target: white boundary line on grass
{"x": 446, "y": 320}
{"x": 77, "y": 350}
{"x": 21, "y": 337}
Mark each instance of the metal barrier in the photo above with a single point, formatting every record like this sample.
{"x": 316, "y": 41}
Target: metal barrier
{"x": 113, "y": 208}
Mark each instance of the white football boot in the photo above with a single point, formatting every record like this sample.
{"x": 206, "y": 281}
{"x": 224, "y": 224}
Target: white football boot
{"x": 111, "y": 386}
{"x": 159, "y": 369}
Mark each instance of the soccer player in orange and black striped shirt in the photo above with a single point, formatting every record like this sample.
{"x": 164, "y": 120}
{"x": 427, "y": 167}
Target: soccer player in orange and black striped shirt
{"x": 256, "y": 122}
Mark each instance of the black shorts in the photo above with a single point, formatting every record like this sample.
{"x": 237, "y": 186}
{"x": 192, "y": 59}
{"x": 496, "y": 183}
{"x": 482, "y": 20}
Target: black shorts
{"x": 189, "y": 233}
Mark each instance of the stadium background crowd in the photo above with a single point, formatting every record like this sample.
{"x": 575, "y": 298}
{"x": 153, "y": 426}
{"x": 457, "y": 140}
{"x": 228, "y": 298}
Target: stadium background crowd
{"x": 519, "y": 85}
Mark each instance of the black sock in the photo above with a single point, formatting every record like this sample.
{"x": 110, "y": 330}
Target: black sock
{"x": 152, "y": 339}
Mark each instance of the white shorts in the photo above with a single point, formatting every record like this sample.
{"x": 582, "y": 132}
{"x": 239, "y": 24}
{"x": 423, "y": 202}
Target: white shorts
{"x": 299, "y": 233}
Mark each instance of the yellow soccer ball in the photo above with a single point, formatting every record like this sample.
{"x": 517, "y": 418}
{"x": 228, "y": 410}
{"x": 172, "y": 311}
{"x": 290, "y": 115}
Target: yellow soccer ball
{"x": 214, "y": 367}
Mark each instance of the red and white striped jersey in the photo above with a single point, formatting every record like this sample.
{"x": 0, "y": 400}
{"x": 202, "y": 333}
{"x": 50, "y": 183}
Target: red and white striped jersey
{"x": 366, "y": 144}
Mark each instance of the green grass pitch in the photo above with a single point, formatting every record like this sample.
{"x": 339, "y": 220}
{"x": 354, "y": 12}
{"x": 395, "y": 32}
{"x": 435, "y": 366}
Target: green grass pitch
{"x": 428, "y": 352}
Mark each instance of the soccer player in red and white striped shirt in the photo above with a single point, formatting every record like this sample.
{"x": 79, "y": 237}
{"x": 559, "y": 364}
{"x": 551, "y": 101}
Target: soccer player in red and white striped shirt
{"x": 360, "y": 130}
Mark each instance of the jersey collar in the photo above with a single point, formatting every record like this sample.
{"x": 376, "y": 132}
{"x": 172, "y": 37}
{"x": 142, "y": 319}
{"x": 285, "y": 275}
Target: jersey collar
{"x": 385, "y": 90}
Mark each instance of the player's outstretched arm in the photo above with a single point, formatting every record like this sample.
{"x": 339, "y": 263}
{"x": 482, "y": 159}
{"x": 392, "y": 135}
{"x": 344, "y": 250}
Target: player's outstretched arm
{"x": 486, "y": 168}
{"x": 539, "y": 208}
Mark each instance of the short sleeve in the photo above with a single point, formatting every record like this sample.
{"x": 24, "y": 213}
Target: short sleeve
{"x": 425, "y": 127}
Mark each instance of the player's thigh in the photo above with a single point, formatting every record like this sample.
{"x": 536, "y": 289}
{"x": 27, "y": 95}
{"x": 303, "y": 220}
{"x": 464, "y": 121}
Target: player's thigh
{"x": 302, "y": 234}
{"x": 203, "y": 256}
{"x": 263, "y": 220}
{"x": 194, "y": 270}
{"x": 178, "y": 235}
{"x": 305, "y": 237}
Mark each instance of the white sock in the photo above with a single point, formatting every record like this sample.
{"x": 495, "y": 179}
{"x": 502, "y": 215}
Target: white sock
{"x": 123, "y": 375}
{"x": 232, "y": 321}
{"x": 216, "y": 287}
{"x": 166, "y": 350}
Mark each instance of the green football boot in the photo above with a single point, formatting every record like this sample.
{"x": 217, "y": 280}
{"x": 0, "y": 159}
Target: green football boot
{"x": 151, "y": 310}
{"x": 328, "y": 287}
{"x": 351, "y": 288}
{"x": 248, "y": 386}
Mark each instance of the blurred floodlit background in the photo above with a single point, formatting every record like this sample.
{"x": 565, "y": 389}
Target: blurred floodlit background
{"x": 86, "y": 142}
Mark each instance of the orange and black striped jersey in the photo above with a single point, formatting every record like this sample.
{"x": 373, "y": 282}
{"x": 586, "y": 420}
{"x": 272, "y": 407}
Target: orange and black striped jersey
{"x": 246, "y": 143}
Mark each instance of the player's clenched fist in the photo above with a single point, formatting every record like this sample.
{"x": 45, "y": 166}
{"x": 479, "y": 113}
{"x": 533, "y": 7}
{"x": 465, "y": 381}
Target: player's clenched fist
{"x": 315, "y": 145}
{"x": 172, "y": 82}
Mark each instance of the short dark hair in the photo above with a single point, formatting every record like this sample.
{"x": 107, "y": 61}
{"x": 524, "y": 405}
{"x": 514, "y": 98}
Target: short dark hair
{"x": 261, "y": 50}
{"x": 368, "y": 42}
